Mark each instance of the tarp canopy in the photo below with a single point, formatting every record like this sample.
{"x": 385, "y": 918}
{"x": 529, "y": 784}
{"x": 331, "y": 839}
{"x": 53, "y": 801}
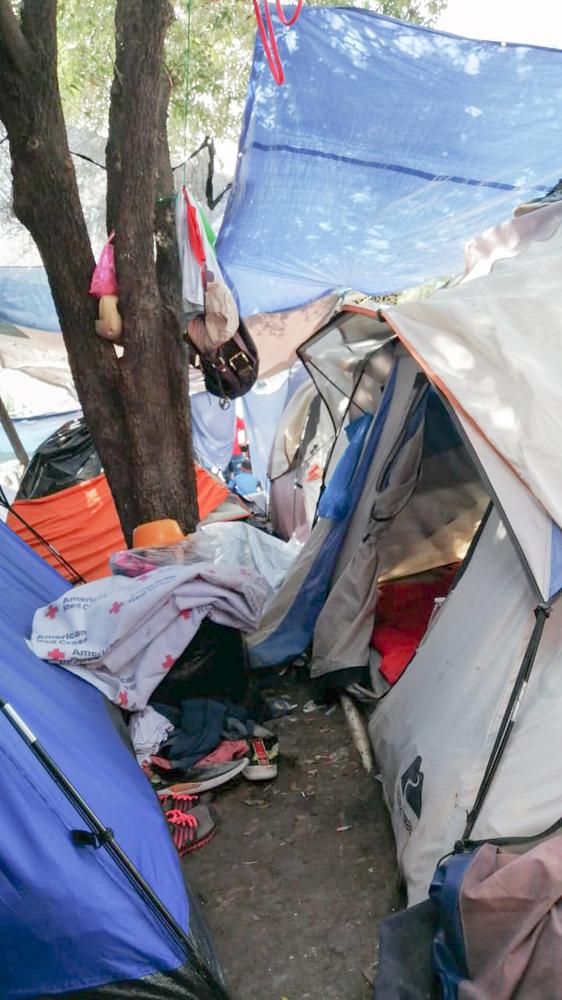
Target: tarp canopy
{"x": 387, "y": 147}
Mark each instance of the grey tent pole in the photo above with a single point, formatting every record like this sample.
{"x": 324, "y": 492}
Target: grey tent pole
{"x": 12, "y": 435}
{"x": 101, "y": 836}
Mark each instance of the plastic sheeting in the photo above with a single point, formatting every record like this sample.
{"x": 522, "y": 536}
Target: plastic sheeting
{"x": 25, "y": 299}
{"x": 388, "y": 146}
{"x": 244, "y": 546}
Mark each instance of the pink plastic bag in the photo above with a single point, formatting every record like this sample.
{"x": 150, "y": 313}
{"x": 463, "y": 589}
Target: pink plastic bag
{"x": 104, "y": 280}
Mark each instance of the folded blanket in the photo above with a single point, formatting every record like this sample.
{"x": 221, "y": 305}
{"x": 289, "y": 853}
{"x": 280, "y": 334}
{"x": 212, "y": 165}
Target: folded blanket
{"x": 123, "y": 634}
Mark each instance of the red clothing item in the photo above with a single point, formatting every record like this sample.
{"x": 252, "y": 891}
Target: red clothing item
{"x": 403, "y": 612}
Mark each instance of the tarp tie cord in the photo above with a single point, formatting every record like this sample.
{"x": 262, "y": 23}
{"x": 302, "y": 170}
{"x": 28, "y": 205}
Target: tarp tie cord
{"x": 542, "y": 612}
{"x": 267, "y": 34}
{"x": 281, "y": 13}
{"x": 269, "y": 42}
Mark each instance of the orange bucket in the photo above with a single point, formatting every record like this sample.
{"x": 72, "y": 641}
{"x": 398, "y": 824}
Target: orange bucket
{"x": 154, "y": 533}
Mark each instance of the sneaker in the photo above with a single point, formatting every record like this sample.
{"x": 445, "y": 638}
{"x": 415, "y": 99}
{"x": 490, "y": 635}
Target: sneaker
{"x": 264, "y": 752}
{"x": 199, "y": 779}
{"x": 191, "y": 830}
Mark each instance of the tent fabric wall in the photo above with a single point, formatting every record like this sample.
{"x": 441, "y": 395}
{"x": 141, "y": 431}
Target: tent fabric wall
{"x": 69, "y": 918}
{"x": 344, "y": 626}
{"x": 415, "y": 140}
{"x": 288, "y": 624}
{"x": 433, "y": 732}
{"x": 489, "y": 343}
{"x": 303, "y": 442}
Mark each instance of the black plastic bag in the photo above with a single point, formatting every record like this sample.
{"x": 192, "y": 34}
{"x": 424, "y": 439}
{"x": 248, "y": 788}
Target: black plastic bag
{"x": 67, "y": 457}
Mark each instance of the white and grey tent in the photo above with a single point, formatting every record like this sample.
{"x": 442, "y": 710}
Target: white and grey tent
{"x": 458, "y": 453}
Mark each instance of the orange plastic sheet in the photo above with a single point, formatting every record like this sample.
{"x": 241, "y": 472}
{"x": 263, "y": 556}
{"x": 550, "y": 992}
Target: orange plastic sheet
{"x": 82, "y": 523}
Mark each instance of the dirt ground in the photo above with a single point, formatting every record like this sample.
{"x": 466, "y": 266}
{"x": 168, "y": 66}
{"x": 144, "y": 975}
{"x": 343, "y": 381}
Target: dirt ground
{"x": 301, "y": 871}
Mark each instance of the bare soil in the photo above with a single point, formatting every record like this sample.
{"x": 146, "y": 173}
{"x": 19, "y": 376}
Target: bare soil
{"x": 302, "y": 869}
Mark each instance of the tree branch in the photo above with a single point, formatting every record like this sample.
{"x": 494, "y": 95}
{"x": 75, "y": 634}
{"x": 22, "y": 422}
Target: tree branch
{"x": 13, "y": 45}
{"x": 39, "y": 25}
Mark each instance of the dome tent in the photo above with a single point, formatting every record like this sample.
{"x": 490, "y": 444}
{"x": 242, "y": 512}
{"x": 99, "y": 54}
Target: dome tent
{"x": 72, "y": 920}
{"x": 461, "y": 448}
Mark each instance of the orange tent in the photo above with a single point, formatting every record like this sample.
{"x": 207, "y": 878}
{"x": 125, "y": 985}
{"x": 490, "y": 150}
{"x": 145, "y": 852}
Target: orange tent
{"x": 81, "y": 522}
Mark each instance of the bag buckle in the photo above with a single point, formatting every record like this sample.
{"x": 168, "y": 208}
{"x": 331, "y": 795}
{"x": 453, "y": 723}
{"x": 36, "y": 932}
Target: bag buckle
{"x": 239, "y": 361}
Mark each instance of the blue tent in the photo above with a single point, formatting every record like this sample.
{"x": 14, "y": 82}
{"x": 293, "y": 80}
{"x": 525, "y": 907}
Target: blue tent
{"x": 388, "y": 146}
{"x": 70, "y": 918}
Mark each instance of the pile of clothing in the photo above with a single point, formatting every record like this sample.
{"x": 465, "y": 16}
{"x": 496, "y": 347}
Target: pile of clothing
{"x": 166, "y": 647}
{"x": 193, "y": 749}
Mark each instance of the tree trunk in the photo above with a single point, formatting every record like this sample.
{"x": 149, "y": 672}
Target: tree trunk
{"x": 136, "y": 407}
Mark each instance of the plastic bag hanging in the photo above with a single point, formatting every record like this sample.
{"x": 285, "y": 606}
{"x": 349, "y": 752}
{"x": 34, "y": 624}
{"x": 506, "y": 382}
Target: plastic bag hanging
{"x": 104, "y": 287}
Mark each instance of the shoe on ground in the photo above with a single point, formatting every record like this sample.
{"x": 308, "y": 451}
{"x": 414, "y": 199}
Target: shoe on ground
{"x": 263, "y": 762}
{"x": 191, "y": 829}
{"x": 201, "y": 779}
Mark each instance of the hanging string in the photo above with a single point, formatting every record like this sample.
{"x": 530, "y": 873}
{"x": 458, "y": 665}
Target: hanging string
{"x": 187, "y": 71}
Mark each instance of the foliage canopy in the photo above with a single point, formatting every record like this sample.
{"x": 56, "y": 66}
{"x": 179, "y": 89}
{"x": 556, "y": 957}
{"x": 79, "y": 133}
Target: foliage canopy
{"x": 208, "y": 54}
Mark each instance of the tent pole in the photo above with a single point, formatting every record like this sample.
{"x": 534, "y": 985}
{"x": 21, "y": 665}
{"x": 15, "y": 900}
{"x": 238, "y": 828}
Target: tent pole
{"x": 542, "y": 612}
{"x": 12, "y": 435}
{"x": 102, "y": 836}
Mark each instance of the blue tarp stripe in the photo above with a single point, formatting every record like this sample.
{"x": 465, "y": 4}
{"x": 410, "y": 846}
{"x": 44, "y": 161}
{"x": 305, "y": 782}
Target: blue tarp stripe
{"x": 281, "y": 147}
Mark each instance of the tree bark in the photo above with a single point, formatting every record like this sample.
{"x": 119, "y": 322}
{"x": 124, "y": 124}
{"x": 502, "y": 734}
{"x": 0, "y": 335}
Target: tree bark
{"x": 136, "y": 407}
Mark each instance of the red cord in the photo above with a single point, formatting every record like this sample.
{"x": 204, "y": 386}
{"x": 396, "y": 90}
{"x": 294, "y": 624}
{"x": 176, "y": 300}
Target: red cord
{"x": 269, "y": 43}
{"x": 281, "y": 13}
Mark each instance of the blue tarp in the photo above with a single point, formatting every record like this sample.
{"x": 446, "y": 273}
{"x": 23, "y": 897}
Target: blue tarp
{"x": 33, "y": 431}
{"x": 388, "y": 146}
{"x": 26, "y": 300}
{"x": 69, "y": 918}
